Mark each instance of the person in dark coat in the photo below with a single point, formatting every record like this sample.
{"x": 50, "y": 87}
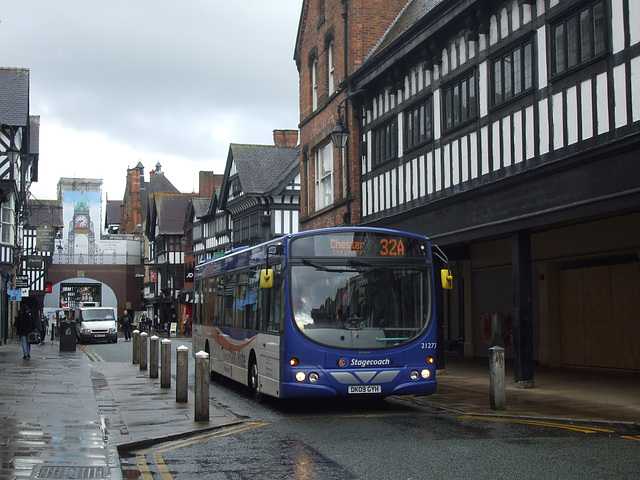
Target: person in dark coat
{"x": 126, "y": 322}
{"x": 25, "y": 324}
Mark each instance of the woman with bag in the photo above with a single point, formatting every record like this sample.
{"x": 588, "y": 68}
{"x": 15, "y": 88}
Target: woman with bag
{"x": 25, "y": 324}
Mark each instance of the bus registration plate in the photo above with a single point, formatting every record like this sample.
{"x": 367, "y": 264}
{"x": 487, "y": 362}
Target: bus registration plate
{"x": 360, "y": 389}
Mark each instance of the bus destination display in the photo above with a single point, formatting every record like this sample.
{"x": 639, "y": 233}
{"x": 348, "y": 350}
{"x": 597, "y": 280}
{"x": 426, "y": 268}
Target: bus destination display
{"x": 355, "y": 244}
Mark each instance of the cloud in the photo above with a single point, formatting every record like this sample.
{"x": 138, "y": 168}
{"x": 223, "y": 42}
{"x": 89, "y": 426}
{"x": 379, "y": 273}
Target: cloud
{"x": 121, "y": 81}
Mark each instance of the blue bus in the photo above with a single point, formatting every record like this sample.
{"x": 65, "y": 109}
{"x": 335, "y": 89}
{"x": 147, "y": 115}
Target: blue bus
{"x": 344, "y": 311}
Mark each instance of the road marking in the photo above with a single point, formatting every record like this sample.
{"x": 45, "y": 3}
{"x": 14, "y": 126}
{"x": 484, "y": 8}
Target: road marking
{"x": 575, "y": 428}
{"x": 93, "y": 356}
{"x": 163, "y": 470}
{"x": 628, "y": 437}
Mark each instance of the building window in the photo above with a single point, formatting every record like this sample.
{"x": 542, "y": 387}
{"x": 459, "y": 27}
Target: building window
{"x": 578, "y": 37}
{"x": 385, "y": 143}
{"x": 324, "y": 176}
{"x": 314, "y": 84}
{"x": 460, "y": 101}
{"x": 330, "y": 68}
{"x": 7, "y": 222}
{"x": 418, "y": 124}
{"x": 512, "y": 73}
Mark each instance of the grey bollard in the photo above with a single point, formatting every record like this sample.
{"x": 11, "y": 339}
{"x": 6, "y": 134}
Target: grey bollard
{"x": 136, "y": 347}
{"x": 201, "y": 407}
{"x": 165, "y": 367}
{"x": 182, "y": 373}
{"x": 143, "y": 350}
{"x": 496, "y": 378}
{"x": 154, "y": 342}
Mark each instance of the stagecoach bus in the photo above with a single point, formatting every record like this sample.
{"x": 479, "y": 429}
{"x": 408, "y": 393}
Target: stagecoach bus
{"x": 335, "y": 312}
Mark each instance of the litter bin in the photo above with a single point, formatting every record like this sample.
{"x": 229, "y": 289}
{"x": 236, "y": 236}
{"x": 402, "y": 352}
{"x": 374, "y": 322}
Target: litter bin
{"x": 67, "y": 337}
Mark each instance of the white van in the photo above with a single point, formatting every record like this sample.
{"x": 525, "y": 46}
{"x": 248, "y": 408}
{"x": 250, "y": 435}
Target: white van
{"x": 96, "y": 324}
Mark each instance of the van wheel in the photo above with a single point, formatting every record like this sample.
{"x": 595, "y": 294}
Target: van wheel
{"x": 254, "y": 385}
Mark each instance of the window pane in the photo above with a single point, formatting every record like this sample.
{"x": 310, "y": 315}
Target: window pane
{"x": 517, "y": 72}
{"x": 428, "y": 120}
{"x": 497, "y": 81}
{"x": 585, "y": 35}
{"x": 558, "y": 35}
{"x": 599, "y": 43}
{"x": 409, "y": 129}
{"x": 572, "y": 42}
{"x": 473, "y": 111}
{"x": 421, "y": 122}
{"x": 456, "y": 105}
{"x": 508, "y": 92}
{"x": 448, "y": 107}
{"x": 464, "y": 102}
{"x": 528, "y": 73}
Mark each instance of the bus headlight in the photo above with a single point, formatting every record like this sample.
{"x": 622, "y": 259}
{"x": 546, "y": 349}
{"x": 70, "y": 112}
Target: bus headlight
{"x": 293, "y": 362}
{"x": 314, "y": 377}
{"x": 430, "y": 360}
{"x": 300, "y": 376}
{"x": 426, "y": 373}
{"x": 414, "y": 375}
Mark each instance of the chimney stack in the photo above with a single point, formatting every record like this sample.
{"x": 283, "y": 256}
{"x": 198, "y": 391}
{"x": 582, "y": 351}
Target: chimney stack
{"x": 285, "y": 138}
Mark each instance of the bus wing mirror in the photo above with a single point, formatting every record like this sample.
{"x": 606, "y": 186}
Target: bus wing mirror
{"x": 446, "y": 278}
{"x": 266, "y": 278}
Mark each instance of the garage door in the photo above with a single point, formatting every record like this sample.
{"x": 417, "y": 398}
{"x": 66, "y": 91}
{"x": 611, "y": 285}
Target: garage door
{"x": 600, "y": 316}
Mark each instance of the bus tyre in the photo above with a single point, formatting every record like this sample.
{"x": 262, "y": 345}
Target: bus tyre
{"x": 253, "y": 380}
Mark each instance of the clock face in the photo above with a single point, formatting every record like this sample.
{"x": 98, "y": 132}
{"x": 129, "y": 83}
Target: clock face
{"x": 82, "y": 221}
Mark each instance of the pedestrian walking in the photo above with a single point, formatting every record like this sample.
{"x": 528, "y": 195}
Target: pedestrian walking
{"x": 44, "y": 323}
{"x": 24, "y": 325}
{"x": 125, "y": 323}
{"x": 187, "y": 325}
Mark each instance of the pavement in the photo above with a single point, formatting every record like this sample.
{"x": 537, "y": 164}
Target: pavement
{"x": 65, "y": 415}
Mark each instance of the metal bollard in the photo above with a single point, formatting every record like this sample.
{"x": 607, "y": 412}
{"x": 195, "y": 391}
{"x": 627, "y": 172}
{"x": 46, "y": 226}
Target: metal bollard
{"x": 165, "y": 367}
{"x": 154, "y": 342}
{"x": 182, "y": 373}
{"x": 201, "y": 406}
{"x": 136, "y": 347}
{"x": 496, "y": 378}
{"x": 143, "y": 350}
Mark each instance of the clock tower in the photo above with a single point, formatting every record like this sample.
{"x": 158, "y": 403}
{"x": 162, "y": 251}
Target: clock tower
{"x": 81, "y": 224}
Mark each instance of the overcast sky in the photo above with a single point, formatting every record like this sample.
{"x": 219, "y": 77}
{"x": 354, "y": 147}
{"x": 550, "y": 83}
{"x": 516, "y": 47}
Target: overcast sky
{"x": 116, "y": 82}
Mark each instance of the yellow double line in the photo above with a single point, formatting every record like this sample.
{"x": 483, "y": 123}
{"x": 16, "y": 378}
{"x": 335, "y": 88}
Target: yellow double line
{"x": 524, "y": 421}
{"x": 93, "y": 356}
{"x": 157, "y": 452}
{"x": 576, "y": 428}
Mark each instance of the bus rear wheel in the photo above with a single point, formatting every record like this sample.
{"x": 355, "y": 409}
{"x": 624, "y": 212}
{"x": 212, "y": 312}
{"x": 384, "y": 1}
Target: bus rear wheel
{"x": 254, "y": 380}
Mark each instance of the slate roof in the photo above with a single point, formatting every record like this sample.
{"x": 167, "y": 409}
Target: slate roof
{"x": 45, "y": 212}
{"x": 200, "y": 206}
{"x": 411, "y": 14}
{"x": 114, "y": 212}
{"x": 14, "y": 92}
{"x": 170, "y": 210}
{"x": 261, "y": 166}
{"x": 158, "y": 184}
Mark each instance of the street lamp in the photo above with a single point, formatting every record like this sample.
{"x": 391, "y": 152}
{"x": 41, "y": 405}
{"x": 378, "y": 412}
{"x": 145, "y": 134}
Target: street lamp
{"x": 340, "y": 133}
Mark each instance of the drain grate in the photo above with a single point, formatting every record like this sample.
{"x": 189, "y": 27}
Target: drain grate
{"x": 64, "y": 472}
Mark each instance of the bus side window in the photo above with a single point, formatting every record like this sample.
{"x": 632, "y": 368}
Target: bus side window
{"x": 273, "y": 301}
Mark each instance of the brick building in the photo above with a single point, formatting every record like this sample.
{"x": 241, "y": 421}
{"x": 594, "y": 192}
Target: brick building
{"x": 329, "y": 175}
